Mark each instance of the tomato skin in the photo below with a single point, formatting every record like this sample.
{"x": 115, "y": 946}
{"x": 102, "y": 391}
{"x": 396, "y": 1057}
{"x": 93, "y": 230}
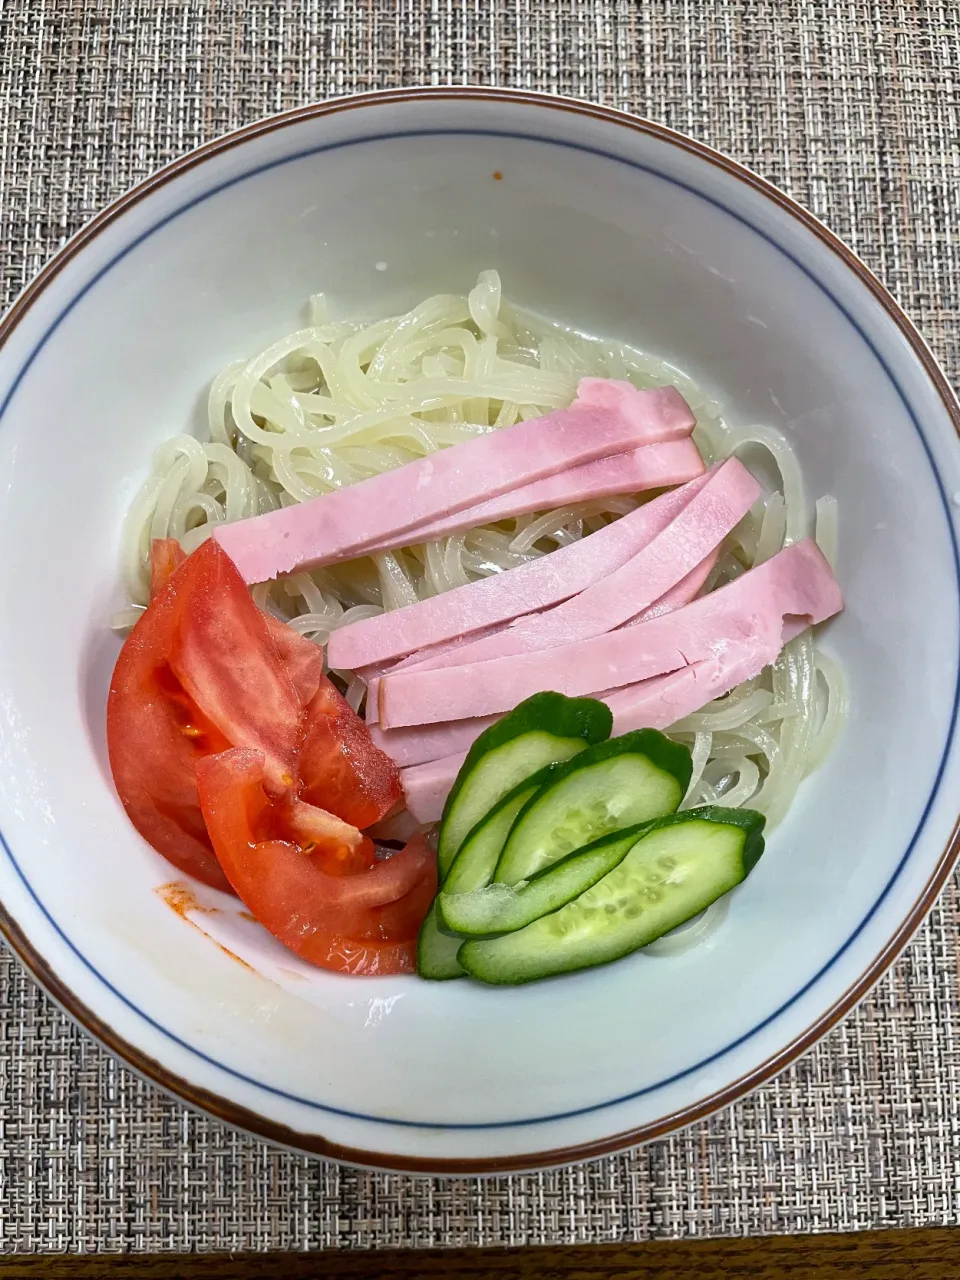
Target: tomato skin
{"x": 198, "y": 674}
{"x": 362, "y": 923}
{"x": 152, "y": 758}
{"x": 228, "y": 663}
{"x": 341, "y": 768}
{"x": 393, "y": 920}
{"x": 302, "y": 659}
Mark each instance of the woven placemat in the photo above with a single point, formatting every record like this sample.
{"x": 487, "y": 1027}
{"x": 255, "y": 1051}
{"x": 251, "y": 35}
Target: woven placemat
{"x": 852, "y": 108}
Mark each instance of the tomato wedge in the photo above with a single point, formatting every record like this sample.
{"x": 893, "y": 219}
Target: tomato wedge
{"x": 155, "y": 738}
{"x": 205, "y": 670}
{"x": 199, "y": 673}
{"x": 302, "y": 659}
{"x": 341, "y": 768}
{"x": 228, "y": 663}
{"x": 363, "y": 923}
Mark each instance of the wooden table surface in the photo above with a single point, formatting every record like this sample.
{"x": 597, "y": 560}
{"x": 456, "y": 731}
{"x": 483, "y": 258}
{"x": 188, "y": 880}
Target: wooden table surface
{"x": 885, "y": 1255}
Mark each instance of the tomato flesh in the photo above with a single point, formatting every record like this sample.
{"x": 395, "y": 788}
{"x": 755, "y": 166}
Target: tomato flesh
{"x": 199, "y": 673}
{"x": 228, "y": 663}
{"x": 340, "y": 767}
{"x": 361, "y": 923}
{"x": 302, "y": 659}
{"x": 155, "y": 739}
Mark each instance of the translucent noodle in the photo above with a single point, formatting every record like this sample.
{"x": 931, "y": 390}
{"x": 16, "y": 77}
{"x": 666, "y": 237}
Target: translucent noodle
{"x": 337, "y": 401}
{"x": 827, "y": 528}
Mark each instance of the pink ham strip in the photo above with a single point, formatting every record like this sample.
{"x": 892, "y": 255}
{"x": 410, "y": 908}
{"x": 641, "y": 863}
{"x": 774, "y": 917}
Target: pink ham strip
{"x": 372, "y": 708}
{"x": 420, "y": 743}
{"x": 426, "y": 786}
{"x": 687, "y": 589}
{"x": 416, "y": 744}
{"x": 749, "y": 611}
{"x": 662, "y": 701}
{"x": 650, "y": 704}
{"x": 446, "y": 618}
{"x": 728, "y": 493}
{"x": 654, "y": 466}
{"x": 463, "y": 475}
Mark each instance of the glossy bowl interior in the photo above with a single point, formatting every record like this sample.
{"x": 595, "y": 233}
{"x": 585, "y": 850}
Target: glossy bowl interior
{"x": 618, "y": 228}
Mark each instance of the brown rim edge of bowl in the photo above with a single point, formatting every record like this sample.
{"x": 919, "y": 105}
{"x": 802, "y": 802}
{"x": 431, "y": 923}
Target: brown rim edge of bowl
{"x": 252, "y": 1122}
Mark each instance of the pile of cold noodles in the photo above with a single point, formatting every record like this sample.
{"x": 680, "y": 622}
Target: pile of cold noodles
{"x": 339, "y": 401}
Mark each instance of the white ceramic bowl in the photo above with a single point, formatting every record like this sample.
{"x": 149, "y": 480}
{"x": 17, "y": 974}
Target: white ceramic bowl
{"x": 619, "y": 227}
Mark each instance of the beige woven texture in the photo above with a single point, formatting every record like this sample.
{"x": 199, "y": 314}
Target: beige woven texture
{"x": 851, "y": 107}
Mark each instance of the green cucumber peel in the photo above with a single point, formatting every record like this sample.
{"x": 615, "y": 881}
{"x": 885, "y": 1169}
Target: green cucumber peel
{"x": 581, "y": 934}
{"x": 569, "y": 721}
{"x": 437, "y": 950}
{"x": 473, "y": 866}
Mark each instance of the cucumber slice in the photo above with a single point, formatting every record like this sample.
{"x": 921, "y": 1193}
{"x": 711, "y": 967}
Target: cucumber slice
{"x": 610, "y": 786}
{"x": 542, "y": 730}
{"x": 472, "y": 868}
{"x": 476, "y": 861}
{"x": 437, "y": 950}
{"x": 683, "y": 863}
{"x": 502, "y": 908}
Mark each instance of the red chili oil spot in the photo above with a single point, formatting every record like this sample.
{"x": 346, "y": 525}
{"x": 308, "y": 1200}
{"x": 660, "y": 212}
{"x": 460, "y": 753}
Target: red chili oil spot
{"x": 181, "y": 899}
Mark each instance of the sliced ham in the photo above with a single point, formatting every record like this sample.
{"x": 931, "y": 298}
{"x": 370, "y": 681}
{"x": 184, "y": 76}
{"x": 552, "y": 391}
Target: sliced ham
{"x": 372, "y": 708}
{"x": 654, "y": 466}
{"x": 426, "y": 786}
{"x": 725, "y": 497}
{"x": 687, "y": 589}
{"x": 748, "y": 612}
{"x": 662, "y": 701}
{"x": 651, "y": 704}
{"x": 600, "y": 423}
{"x": 656, "y": 703}
{"x": 420, "y": 743}
{"x": 416, "y": 744}
{"x": 447, "y": 618}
